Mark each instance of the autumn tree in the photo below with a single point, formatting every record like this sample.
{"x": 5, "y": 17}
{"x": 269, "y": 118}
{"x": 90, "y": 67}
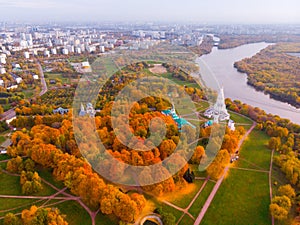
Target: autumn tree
{"x": 198, "y": 154}
{"x": 274, "y": 143}
{"x": 216, "y": 168}
{"x": 15, "y": 165}
{"x": 287, "y": 190}
{"x": 31, "y": 182}
{"x": 280, "y": 207}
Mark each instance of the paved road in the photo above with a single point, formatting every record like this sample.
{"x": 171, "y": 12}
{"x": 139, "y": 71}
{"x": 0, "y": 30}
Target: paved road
{"x": 44, "y": 85}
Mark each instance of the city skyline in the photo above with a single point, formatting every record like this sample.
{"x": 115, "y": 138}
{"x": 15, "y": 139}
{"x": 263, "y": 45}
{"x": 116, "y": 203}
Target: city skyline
{"x": 231, "y": 11}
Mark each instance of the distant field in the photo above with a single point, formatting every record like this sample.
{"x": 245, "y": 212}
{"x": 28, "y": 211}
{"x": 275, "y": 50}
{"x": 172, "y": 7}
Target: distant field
{"x": 50, "y": 76}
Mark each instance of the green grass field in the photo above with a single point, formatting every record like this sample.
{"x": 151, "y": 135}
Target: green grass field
{"x": 184, "y": 200}
{"x": 240, "y": 119}
{"x": 243, "y": 198}
{"x": 177, "y": 81}
{"x": 50, "y": 76}
{"x": 255, "y": 153}
{"x": 186, "y": 220}
{"x": 198, "y": 204}
{"x": 175, "y": 212}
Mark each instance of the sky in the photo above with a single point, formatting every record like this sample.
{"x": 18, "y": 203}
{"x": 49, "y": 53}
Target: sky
{"x": 205, "y": 11}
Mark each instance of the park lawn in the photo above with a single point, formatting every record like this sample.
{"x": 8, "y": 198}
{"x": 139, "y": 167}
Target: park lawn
{"x": 2, "y": 139}
{"x": 10, "y": 185}
{"x": 50, "y": 76}
{"x": 255, "y": 151}
{"x": 240, "y": 119}
{"x": 47, "y": 175}
{"x": 28, "y": 93}
{"x": 75, "y": 214}
{"x": 9, "y": 205}
{"x": 197, "y": 172}
{"x": 106, "y": 219}
{"x": 178, "y": 81}
{"x": 186, "y": 220}
{"x": 243, "y": 198}
{"x": 182, "y": 198}
{"x": 201, "y": 106}
{"x": 169, "y": 209}
{"x": 4, "y": 157}
{"x": 200, "y": 201}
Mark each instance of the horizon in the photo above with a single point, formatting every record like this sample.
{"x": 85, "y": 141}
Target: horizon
{"x": 217, "y": 12}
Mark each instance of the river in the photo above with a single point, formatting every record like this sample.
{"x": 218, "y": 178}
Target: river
{"x": 217, "y": 71}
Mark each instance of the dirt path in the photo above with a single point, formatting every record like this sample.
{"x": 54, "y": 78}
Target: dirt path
{"x": 247, "y": 169}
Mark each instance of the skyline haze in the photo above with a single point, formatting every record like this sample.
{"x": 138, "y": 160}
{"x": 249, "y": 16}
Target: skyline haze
{"x": 218, "y": 11}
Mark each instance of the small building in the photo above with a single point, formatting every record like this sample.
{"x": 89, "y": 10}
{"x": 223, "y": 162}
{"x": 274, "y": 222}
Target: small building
{"x": 4, "y": 146}
{"x": 2, "y": 70}
{"x": 218, "y": 112}
{"x": 65, "y": 51}
{"x": 47, "y": 53}
{"x": 52, "y": 81}
{"x": 88, "y": 111}
{"x": 179, "y": 121}
{"x": 102, "y": 49}
{"x": 231, "y": 125}
{"x": 61, "y": 111}
{"x": 85, "y": 65}
{"x": 3, "y": 58}
{"x": 35, "y": 77}
{"x": 53, "y": 51}
{"x": 16, "y": 78}
{"x": 26, "y": 55}
{"x": 78, "y": 50}
{"x": 208, "y": 123}
{"x": 12, "y": 87}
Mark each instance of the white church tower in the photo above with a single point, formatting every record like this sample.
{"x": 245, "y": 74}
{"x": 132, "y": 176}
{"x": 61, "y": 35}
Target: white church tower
{"x": 218, "y": 112}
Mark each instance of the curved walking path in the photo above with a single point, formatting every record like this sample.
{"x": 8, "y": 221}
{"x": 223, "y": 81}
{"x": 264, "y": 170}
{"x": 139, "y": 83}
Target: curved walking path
{"x": 66, "y": 197}
{"x": 219, "y": 182}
